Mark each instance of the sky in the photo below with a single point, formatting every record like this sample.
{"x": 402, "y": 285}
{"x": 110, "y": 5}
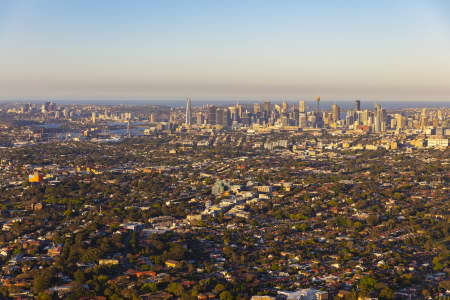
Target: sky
{"x": 211, "y": 50}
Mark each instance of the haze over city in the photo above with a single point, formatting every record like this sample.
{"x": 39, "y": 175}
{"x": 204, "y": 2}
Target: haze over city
{"x": 210, "y": 50}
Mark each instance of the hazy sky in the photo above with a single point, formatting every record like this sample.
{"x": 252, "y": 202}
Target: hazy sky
{"x": 340, "y": 50}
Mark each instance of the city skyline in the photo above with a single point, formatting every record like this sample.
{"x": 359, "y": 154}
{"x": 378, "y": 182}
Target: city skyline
{"x": 232, "y": 150}
{"x": 152, "y": 50}
{"x": 224, "y": 202}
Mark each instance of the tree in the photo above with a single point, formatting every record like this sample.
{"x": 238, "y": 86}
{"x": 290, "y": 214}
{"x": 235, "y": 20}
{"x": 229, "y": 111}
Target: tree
{"x": 372, "y": 220}
{"x": 219, "y": 288}
{"x": 387, "y": 293}
{"x": 367, "y": 285}
{"x": 43, "y": 296}
{"x": 175, "y": 288}
{"x": 79, "y": 276}
{"x": 42, "y": 281}
{"x": 437, "y": 266}
{"x": 177, "y": 252}
{"x": 3, "y": 292}
{"x": 225, "y": 295}
{"x": 150, "y": 287}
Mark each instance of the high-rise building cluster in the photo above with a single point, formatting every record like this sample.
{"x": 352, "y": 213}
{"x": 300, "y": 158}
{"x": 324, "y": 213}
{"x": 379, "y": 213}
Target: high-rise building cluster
{"x": 302, "y": 115}
{"x": 267, "y": 114}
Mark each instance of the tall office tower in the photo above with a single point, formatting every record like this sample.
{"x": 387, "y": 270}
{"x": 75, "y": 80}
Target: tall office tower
{"x": 423, "y": 121}
{"x": 357, "y": 117}
{"x": 200, "y": 119}
{"x": 370, "y": 120}
{"x": 377, "y": 107}
{"x": 302, "y": 121}
{"x": 294, "y": 115}
{"x": 377, "y": 118}
{"x": 357, "y": 105}
{"x": 312, "y": 120}
{"x": 267, "y": 108}
{"x": 377, "y": 123}
{"x": 211, "y": 117}
{"x": 240, "y": 110}
{"x": 51, "y": 106}
{"x": 93, "y": 117}
{"x": 424, "y": 112}
{"x": 301, "y": 106}
{"x": 365, "y": 117}
{"x": 277, "y": 108}
{"x": 394, "y": 123}
{"x": 233, "y": 113}
{"x": 319, "y": 119}
{"x": 284, "y": 106}
{"x": 172, "y": 116}
{"x": 219, "y": 116}
{"x": 152, "y": 118}
{"x": 44, "y": 108}
{"x": 400, "y": 121}
{"x": 423, "y": 118}
{"x": 336, "y": 112}
{"x": 222, "y": 117}
{"x": 383, "y": 117}
{"x": 188, "y": 111}
{"x": 349, "y": 118}
{"x": 226, "y": 117}
{"x": 257, "y": 108}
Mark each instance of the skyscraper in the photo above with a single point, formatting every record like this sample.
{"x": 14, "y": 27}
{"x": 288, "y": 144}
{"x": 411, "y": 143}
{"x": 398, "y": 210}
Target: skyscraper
{"x": 302, "y": 121}
{"x": 267, "y": 108}
{"x": 172, "y": 116}
{"x": 188, "y": 111}
{"x": 357, "y": 105}
{"x": 336, "y": 112}
{"x": 400, "y": 121}
{"x": 211, "y": 116}
{"x": 222, "y": 117}
{"x": 318, "y": 119}
{"x": 301, "y": 106}
{"x": 240, "y": 110}
{"x": 383, "y": 116}
{"x": 200, "y": 118}
{"x": 257, "y": 108}
{"x": 284, "y": 106}
{"x": 378, "y": 118}
{"x": 233, "y": 113}
{"x": 365, "y": 117}
{"x": 219, "y": 116}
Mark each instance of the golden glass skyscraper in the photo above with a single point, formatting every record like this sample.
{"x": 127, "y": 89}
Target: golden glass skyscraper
{"x": 301, "y": 106}
{"x": 336, "y": 112}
